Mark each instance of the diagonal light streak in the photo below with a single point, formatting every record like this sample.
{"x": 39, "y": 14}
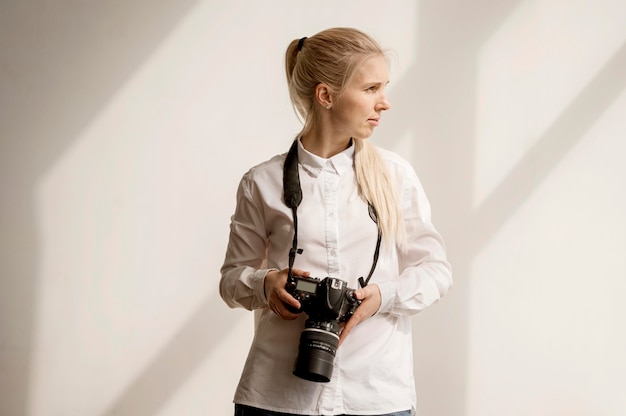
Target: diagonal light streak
{"x": 175, "y": 362}
{"x": 567, "y": 130}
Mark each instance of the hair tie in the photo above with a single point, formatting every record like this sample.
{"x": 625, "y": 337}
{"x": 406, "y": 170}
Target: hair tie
{"x": 300, "y": 43}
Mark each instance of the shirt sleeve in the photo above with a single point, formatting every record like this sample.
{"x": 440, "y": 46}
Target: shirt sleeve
{"x": 425, "y": 274}
{"x": 242, "y": 281}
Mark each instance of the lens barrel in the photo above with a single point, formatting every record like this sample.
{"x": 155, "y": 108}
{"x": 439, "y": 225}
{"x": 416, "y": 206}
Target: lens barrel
{"x": 316, "y": 354}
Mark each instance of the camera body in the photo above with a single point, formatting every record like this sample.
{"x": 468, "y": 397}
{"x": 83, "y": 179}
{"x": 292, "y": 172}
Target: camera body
{"x": 327, "y": 302}
{"x": 328, "y": 299}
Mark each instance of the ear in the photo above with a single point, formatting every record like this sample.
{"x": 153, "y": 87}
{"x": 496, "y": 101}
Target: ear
{"x": 323, "y": 95}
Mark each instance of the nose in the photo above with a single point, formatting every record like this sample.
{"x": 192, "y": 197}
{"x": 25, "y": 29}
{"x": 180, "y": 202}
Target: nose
{"x": 384, "y": 103}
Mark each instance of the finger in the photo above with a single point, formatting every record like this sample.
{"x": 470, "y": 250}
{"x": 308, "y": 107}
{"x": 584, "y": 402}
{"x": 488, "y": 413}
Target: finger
{"x": 284, "y": 313}
{"x": 289, "y": 312}
{"x": 364, "y": 293}
{"x": 286, "y": 297}
{"x": 300, "y": 272}
{"x": 352, "y": 322}
{"x": 370, "y": 297}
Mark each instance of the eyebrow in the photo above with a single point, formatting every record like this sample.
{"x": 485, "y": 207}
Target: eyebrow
{"x": 364, "y": 83}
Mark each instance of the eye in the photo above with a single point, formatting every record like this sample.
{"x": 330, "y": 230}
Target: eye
{"x": 373, "y": 88}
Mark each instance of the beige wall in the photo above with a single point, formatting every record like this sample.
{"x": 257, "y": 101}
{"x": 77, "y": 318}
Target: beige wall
{"x": 126, "y": 125}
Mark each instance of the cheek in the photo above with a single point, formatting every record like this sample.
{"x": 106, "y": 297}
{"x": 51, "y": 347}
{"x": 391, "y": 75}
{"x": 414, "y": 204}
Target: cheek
{"x": 352, "y": 112}
{"x": 344, "y": 116}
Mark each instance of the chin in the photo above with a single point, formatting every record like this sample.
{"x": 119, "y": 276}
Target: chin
{"x": 363, "y": 135}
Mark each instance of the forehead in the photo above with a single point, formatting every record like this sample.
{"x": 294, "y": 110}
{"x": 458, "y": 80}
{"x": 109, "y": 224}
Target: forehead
{"x": 373, "y": 69}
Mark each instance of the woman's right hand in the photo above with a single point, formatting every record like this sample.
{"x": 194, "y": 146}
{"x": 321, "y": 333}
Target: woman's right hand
{"x": 277, "y": 296}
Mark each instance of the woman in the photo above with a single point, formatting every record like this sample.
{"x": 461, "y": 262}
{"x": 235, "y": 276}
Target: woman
{"x": 361, "y": 209}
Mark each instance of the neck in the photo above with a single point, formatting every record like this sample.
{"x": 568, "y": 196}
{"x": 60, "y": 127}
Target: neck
{"x": 324, "y": 145}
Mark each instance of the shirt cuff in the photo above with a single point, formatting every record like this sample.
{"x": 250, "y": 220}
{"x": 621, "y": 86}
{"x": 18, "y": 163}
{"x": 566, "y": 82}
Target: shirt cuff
{"x": 387, "y": 296}
{"x": 259, "y": 285}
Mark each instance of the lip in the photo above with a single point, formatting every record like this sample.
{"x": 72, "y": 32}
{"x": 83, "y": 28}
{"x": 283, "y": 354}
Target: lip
{"x": 373, "y": 121}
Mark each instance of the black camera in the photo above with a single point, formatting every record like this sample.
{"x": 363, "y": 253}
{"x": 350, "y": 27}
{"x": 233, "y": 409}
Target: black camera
{"x": 327, "y": 302}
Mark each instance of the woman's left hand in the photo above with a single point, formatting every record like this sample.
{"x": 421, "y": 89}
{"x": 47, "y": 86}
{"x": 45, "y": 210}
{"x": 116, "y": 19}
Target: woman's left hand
{"x": 370, "y": 303}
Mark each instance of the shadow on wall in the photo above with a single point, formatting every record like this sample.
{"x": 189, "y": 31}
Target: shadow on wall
{"x": 59, "y": 68}
{"x": 175, "y": 362}
{"x": 436, "y": 106}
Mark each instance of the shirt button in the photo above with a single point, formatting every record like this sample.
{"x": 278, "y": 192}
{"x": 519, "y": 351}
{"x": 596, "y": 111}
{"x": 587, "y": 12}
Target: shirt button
{"x": 332, "y": 253}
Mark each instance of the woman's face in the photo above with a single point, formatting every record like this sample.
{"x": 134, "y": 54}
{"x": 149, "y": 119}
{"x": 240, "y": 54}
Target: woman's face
{"x": 357, "y": 111}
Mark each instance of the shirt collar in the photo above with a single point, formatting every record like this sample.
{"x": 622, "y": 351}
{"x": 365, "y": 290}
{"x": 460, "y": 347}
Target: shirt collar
{"x": 314, "y": 164}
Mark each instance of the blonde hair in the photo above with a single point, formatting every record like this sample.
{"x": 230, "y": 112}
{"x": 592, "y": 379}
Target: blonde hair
{"x": 331, "y": 57}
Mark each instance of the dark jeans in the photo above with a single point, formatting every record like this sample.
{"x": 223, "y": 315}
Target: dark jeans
{"x": 242, "y": 410}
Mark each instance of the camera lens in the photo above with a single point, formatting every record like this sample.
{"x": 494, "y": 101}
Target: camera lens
{"x": 316, "y": 354}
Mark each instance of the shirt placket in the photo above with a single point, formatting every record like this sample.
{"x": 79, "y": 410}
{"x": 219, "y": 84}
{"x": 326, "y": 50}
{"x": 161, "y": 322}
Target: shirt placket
{"x": 330, "y": 391}
{"x": 331, "y": 183}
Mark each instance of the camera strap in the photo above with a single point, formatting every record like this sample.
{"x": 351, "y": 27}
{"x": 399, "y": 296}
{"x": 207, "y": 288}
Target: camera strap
{"x": 374, "y": 217}
{"x": 292, "y": 194}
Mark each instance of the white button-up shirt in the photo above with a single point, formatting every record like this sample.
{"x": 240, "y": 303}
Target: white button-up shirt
{"x": 373, "y": 368}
